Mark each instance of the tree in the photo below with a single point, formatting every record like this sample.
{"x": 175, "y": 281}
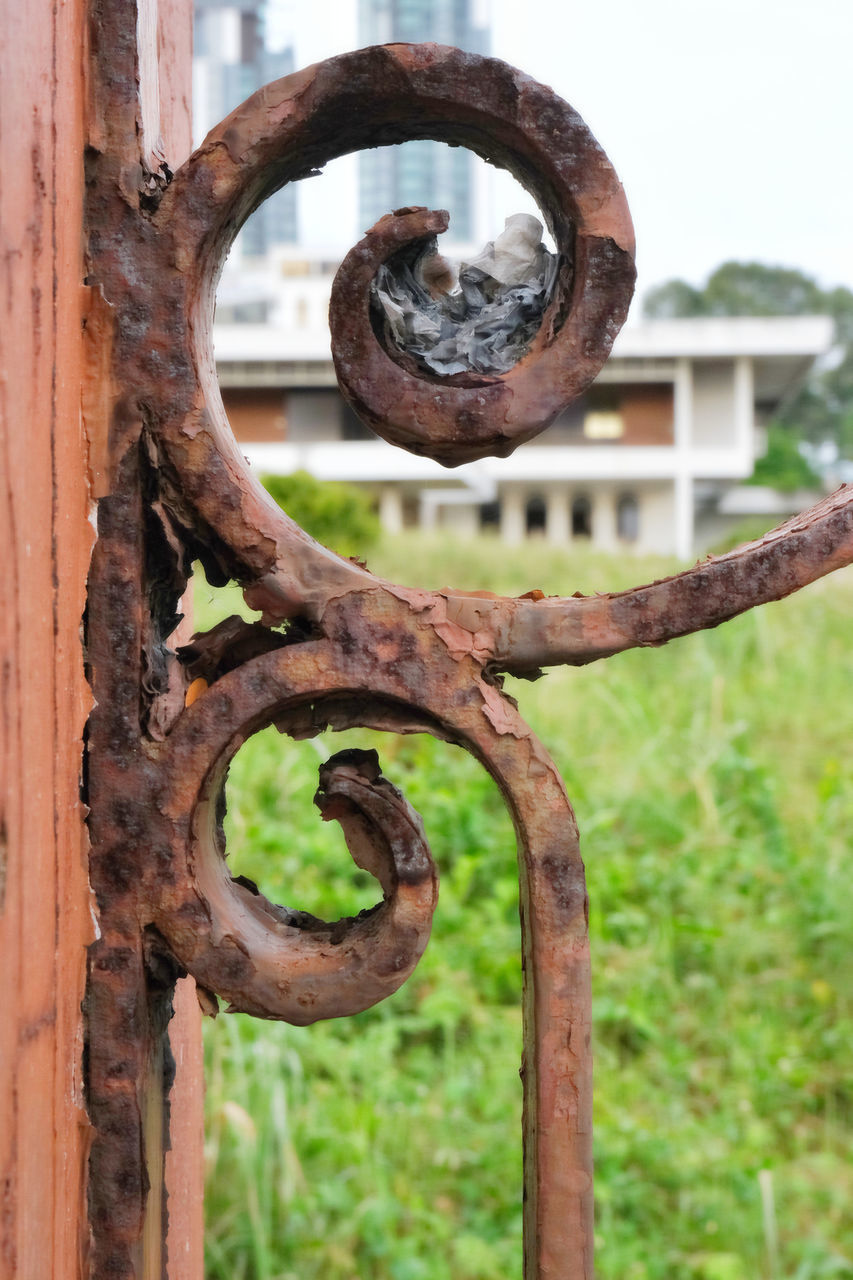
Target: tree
{"x": 823, "y": 409}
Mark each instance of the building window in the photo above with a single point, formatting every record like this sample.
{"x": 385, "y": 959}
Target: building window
{"x": 490, "y": 515}
{"x": 411, "y": 511}
{"x": 603, "y": 424}
{"x": 603, "y": 418}
{"x": 256, "y": 312}
{"x": 535, "y": 514}
{"x": 628, "y": 517}
{"x": 352, "y": 427}
{"x": 581, "y": 517}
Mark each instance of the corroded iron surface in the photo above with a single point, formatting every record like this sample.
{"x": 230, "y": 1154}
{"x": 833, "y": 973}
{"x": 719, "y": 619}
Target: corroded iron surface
{"x": 539, "y": 138}
{"x": 356, "y": 650}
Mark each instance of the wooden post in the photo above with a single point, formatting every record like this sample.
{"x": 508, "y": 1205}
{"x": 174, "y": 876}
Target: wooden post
{"x": 110, "y": 420}
{"x": 53, "y": 413}
{"x": 45, "y": 912}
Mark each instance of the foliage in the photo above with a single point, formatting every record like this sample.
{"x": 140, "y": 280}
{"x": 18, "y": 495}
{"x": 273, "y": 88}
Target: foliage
{"x": 783, "y": 465}
{"x": 740, "y": 289}
{"x": 713, "y": 781}
{"x": 336, "y": 514}
{"x": 750, "y": 529}
{"x": 823, "y": 409}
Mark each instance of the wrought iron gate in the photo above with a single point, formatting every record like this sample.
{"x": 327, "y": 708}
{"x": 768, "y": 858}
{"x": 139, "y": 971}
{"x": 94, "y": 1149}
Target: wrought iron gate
{"x": 336, "y": 646}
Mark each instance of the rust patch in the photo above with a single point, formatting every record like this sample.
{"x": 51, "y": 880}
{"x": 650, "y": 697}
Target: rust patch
{"x": 356, "y": 650}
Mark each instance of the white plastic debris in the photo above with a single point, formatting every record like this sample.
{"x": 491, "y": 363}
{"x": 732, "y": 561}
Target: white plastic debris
{"x": 517, "y": 255}
{"x": 486, "y": 323}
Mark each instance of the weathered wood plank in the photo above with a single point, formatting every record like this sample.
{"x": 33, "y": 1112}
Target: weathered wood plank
{"x": 45, "y": 917}
{"x": 49, "y": 454}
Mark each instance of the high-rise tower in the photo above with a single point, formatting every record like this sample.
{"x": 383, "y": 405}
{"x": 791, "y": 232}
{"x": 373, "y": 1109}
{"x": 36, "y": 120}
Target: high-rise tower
{"x": 419, "y": 173}
{"x": 231, "y": 61}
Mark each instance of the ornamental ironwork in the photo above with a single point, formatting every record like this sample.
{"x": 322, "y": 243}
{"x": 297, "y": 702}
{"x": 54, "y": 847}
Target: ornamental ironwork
{"x": 337, "y": 646}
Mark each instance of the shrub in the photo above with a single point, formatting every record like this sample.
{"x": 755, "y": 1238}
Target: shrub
{"x": 783, "y": 466}
{"x": 338, "y": 515}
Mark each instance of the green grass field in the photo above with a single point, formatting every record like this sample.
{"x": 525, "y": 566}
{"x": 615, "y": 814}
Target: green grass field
{"x": 713, "y": 781}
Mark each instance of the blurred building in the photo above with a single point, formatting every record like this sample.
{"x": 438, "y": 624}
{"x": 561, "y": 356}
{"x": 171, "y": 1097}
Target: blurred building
{"x": 420, "y": 173}
{"x": 651, "y": 458}
{"x": 230, "y": 61}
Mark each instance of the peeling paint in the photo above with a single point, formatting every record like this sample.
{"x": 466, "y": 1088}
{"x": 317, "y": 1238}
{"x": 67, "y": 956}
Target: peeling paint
{"x": 356, "y": 650}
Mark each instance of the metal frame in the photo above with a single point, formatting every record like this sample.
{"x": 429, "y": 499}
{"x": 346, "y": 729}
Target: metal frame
{"x": 337, "y": 646}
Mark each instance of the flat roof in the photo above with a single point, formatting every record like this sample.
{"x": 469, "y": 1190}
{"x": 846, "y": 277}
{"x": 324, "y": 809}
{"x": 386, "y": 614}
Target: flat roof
{"x": 721, "y": 337}
{"x": 761, "y": 337}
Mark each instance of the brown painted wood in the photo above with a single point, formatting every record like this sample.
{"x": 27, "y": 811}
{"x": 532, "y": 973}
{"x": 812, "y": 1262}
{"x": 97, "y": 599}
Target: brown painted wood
{"x": 45, "y": 917}
{"x": 52, "y": 432}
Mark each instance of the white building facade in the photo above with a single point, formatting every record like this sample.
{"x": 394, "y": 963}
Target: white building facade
{"x": 646, "y": 460}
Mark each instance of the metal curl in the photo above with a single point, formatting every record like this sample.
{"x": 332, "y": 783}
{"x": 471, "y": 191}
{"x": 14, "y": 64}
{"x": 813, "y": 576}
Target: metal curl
{"x": 381, "y": 670}
{"x": 362, "y": 651}
{"x": 390, "y": 94}
{"x": 275, "y": 962}
{"x": 471, "y": 416}
{"x": 289, "y": 129}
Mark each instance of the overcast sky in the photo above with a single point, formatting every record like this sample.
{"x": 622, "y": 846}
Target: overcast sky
{"x": 730, "y": 122}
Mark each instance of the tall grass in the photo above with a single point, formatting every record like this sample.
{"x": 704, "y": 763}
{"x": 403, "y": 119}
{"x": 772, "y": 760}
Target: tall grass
{"x": 713, "y": 781}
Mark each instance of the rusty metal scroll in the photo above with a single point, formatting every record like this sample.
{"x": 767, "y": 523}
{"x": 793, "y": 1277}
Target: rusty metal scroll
{"x": 337, "y": 646}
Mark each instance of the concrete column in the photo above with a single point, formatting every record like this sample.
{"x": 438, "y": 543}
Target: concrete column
{"x": 512, "y": 517}
{"x": 683, "y": 479}
{"x": 604, "y": 534}
{"x": 426, "y": 511}
{"x": 558, "y": 528}
{"x": 391, "y": 509}
{"x": 745, "y": 409}
{"x": 683, "y": 505}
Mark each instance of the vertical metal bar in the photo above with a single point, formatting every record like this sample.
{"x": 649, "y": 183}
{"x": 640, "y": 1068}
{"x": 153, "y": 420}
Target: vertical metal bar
{"x": 336, "y": 646}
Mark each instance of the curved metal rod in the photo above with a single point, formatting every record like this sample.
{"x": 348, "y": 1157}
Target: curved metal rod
{"x": 524, "y": 634}
{"x": 394, "y": 657}
{"x": 271, "y": 961}
{"x": 470, "y": 416}
{"x": 288, "y": 129}
{"x": 366, "y": 98}
{"x": 387, "y": 674}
